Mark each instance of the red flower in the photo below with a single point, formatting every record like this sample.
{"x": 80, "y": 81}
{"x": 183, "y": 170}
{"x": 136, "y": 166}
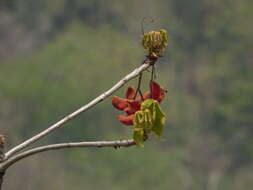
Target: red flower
{"x": 131, "y": 105}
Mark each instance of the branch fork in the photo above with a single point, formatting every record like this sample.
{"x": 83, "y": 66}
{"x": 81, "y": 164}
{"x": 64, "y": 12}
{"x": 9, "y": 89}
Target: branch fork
{"x": 17, "y": 153}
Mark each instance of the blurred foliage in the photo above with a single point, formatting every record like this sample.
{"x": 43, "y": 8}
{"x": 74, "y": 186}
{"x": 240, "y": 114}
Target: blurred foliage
{"x": 58, "y": 55}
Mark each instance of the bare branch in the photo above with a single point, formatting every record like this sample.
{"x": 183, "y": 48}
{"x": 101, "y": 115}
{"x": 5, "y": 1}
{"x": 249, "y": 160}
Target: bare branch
{"x": 58, "y": 124}
{"x": 115, "y": 144}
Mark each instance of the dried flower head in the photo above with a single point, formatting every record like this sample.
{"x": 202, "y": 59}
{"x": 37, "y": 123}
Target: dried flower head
{"x": 155, "y": 42}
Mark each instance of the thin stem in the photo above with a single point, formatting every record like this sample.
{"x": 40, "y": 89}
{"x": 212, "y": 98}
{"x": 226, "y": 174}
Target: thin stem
{"x": 115, "y": 144}
{"x": 71, "y": 116}
{"x": 155, "y": 72}
{"x": 141, "y": 95}
{"x": 139, "y": 87}
{"x": 142, "y": 23}
{"x": 151, "y": 80}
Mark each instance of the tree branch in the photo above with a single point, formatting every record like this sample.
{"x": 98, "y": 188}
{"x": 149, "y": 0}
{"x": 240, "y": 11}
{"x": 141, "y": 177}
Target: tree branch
{"x": 115, "y": 144}
{"x": 58, "y": 124}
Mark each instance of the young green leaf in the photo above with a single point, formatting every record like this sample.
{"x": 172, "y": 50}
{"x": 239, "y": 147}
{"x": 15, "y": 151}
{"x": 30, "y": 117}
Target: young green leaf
{"x": 139, "y": 128}
{"x": 149, "y": 118}
{"x": 159, "y": 120}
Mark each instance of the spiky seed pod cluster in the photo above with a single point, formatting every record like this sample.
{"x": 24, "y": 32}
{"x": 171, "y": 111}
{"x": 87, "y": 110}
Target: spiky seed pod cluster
{"x": 155, "y": 42}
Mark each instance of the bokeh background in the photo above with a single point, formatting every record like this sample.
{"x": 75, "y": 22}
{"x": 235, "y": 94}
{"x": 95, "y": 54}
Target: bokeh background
{"x": 56, "y": 55}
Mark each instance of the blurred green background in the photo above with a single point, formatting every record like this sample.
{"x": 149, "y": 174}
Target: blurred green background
{"x": 57, "y": 55}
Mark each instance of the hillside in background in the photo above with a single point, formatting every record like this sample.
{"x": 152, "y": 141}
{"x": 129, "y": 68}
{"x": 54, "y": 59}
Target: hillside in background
{"x": 58, "y": 55}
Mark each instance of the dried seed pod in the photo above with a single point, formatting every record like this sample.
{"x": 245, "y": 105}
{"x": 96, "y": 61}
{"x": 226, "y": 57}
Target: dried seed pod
{"x": 155, "y": 42}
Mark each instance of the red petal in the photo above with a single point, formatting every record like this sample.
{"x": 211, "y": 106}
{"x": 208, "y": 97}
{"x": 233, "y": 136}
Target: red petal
{"x": 127, "y": 120}
{"x": 119, "y": 103}
{"x": 138, "y": 99}
{"x": 146, "y": 95}
{"x": 130, "y": 93}
{"x": 133, "y": 107}
{"x": 162, "y": 94}
{"x": 156, "y": 90}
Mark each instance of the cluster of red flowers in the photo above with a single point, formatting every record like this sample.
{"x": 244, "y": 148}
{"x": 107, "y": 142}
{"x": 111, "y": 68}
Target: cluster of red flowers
{"x": 132, "y": 104}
